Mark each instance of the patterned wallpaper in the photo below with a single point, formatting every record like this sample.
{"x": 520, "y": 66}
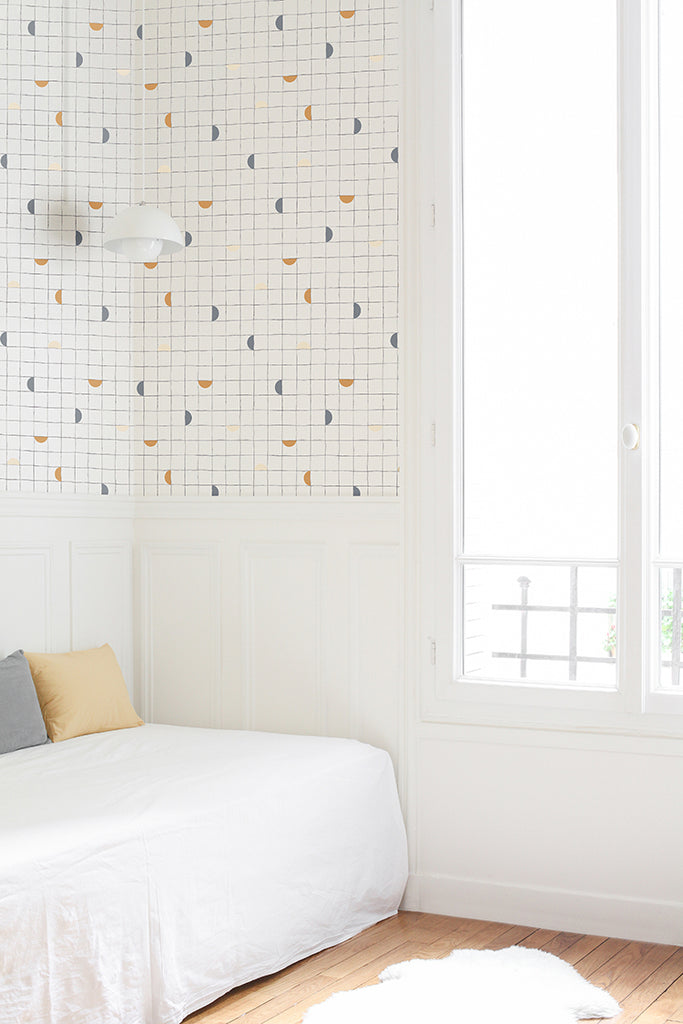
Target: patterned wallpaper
{"x": 263, "y": 358}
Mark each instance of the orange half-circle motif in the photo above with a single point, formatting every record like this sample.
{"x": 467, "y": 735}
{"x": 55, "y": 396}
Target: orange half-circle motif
{"x": 290, "y": 78}
{"x": 150, "y": 86}
{"x": 167, "y": 477}
{"x": 94, "y": 205}
{"x": 58, "y": 296}
{"x": 96, "y": 26}
{"x": 205, "y": 203}
{"x": 307, "y": 295}
{"x": 40, "y": 438}
{"x": 41, "y": 82}
{"x": 151, "y": 266}
{"x": 94, "y": 383}
{"x": 58, "y": 474}
{"x": 150, "y": 444}
{"x": 206, "y": 23}
{"x": 167, "y": 120}
{"x": 308, "y": 113}
{"x": 40, "y": 263}
{"x": 289, "y": 262}
{"x": 205, "y": 383}
{"x": 346, "y": 382}
{"x": 58, "y": 119}
{"x": 347, "y": 14}
{"x": 167, "y": 298}
{"x": 289, "y": 444}
{"x": 307, "y": 478}
{"x": 347, "y": 199}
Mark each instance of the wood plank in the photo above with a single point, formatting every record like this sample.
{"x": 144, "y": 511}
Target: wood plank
{"x": 467, "y": 935}
{"x": 648, "y": 991}
{"x": 561, "y": 942}
{"x": 538, "y": 938}
{"x": 600, "y": 955}
{"x": 582, "y": 947}
{"x": 628, "y": 968}
{"x": 647, "y": 979}
{"x": 667, "y": 1006}
{"x": 362, "y": 976}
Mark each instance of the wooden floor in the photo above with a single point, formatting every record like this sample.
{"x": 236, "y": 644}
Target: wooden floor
{"x": 646, "y": 979}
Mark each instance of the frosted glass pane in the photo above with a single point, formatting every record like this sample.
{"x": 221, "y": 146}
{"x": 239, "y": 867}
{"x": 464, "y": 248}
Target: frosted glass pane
{"x": 540, "y": 277}
{"x": 671, "y": 277}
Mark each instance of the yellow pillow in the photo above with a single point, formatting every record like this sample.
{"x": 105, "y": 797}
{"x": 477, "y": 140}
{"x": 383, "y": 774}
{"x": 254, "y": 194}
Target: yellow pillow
{"x": 81, "y": 692}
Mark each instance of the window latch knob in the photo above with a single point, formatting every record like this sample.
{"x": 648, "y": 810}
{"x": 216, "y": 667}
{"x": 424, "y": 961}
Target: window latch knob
{"x": 630, "y": 436}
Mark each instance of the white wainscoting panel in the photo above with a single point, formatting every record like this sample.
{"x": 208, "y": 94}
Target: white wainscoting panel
{"x": 273, "y": 615}
{"x": 66, "y": 575}
{"x": 101, "y": 600}
{"x": 376, "y": 671}
{"x": 283, "y": 588}
{"x": 25, "y": 605}
{"x": 182, "y": 627}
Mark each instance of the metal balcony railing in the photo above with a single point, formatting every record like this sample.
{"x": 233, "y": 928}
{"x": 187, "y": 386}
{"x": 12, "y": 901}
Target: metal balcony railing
{"x": 573, "y": 609}
{"x": 671, "y": 640}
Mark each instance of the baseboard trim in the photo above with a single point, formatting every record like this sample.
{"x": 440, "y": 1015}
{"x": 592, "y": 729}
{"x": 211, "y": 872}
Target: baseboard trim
{"x": 619, "y": 917}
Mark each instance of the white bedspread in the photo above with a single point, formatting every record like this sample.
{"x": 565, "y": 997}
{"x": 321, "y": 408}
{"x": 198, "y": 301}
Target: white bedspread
{"x": 147, "y": 871}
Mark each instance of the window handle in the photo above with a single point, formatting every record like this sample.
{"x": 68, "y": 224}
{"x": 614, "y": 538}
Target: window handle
{"x": 630, "y": 436}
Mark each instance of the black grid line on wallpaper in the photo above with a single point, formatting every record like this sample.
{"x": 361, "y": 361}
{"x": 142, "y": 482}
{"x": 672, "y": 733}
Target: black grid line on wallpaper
{"x": 262, "y": 360}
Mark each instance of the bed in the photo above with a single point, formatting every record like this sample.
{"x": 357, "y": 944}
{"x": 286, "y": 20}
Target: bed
{"x": 145, "y": 872}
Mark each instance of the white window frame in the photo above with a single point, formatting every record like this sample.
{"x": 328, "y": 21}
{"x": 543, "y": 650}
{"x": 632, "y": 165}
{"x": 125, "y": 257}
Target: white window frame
{"x": 431, "y": 217}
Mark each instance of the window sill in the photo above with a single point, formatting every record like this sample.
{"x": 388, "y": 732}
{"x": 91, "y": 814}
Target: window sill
{"x": 576, "y": 711}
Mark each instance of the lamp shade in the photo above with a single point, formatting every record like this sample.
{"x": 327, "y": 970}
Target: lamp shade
{"x": 142, "y": 233}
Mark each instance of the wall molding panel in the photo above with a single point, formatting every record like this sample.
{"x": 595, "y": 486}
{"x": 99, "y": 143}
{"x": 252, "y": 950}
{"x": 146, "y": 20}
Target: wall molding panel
{"x": 101, "y": 604}
{"x": 282, "y": 598}
{"x": 241, "y": 613}
{"x": 374, "y": 616}
{"x": 26, "y": 587}
{"x": 66, "y": 581}
{"x": 180, "y": 630}
{"x": 284, "y": 589}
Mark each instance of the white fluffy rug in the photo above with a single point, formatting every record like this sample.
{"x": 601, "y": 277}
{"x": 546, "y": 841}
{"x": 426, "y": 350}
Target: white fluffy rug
{"x": 470, "y": 986}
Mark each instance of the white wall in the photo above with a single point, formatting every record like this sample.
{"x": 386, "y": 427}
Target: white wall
{"x": 275, "y": 615}
{"x": 572, "y": 832}
{"x": 66, "y": 576}
{"x": 271, "y": 615}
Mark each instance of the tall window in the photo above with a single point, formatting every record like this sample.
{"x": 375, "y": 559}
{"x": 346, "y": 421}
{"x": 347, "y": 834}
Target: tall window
{"x": 668, "y": 499}
{"x": 566, "y": 586}
{"x": 540, "y": 338}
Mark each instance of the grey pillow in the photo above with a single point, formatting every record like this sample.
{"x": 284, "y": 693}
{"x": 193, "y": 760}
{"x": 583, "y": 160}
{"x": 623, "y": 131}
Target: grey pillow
{"x": 21, "y": 721}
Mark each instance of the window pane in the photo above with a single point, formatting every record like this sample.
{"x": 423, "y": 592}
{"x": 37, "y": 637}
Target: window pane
{"x": 540, "y": 277}
{"x": 671, "y": 277}
{"x": 540, "y": 624}
{"x": 670, "y": 647}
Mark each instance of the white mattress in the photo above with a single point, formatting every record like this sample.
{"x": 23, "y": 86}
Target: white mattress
{"x": 147, "y": 871}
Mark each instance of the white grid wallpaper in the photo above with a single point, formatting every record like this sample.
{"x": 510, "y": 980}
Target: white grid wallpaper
{"x": 262, "y": 359}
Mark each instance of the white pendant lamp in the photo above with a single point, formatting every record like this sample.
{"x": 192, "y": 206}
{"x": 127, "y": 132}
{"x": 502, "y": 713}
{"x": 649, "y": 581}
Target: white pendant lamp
{"x": 143, "y": 233}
